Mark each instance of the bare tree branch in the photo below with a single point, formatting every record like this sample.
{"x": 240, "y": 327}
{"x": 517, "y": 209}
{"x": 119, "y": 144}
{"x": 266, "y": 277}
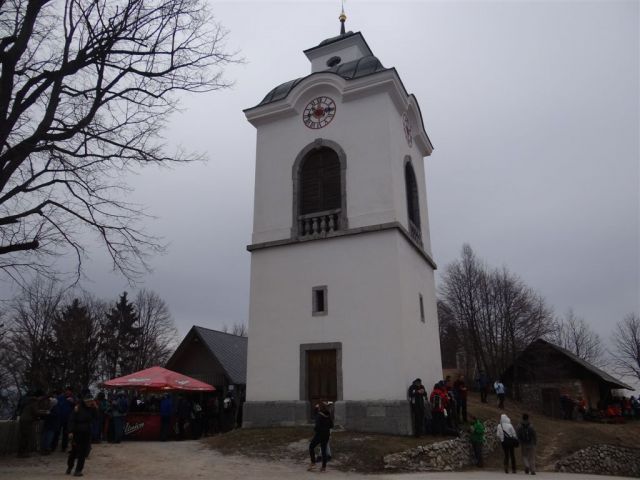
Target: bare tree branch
{"x": 86, "y": 87}
{"x": 573, "y": 334}
{"x": 626, "y": 341}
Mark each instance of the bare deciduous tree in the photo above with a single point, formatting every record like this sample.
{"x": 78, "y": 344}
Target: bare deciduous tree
{"x": 31, "y": 318}
{"x": 240, "y": 329}
{"x": 86, "y": 87}
{"x": 157, "y": 332}
{"x": 495, "y": 313}
{"x": 626, "y": 341}
{"x": 572, "y": 333}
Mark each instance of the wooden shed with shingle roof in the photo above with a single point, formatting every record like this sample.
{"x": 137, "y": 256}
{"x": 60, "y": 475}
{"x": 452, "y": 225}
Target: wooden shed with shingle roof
{"x": 544, "y": 372}
{"x": 214, "y": 357}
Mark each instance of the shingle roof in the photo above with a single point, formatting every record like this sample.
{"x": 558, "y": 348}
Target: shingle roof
{"x": 604, "y": 376}
{"x": 230, "y": 350}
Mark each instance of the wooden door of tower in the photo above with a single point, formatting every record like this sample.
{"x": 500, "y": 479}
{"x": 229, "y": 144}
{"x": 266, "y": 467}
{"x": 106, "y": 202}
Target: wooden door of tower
{"x": 322, "y": 376}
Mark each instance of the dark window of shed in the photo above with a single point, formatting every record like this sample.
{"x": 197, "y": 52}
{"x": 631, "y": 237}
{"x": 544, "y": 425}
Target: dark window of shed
{"x": 421, "y": 309}
{"x": 320, "y": 188}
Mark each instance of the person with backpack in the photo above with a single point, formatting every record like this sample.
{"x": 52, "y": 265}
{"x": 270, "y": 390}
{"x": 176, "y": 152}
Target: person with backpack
{"x": 438, "y": 402}
{"x": 476, "y": 435}
{"x": 528, "y": 440}
{"x": 322, "y": 433}
{"x": 417, "y": 400}
{"x": 508, "y": 437}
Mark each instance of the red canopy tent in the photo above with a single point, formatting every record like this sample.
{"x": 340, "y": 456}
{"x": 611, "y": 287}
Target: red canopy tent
{"x": 158, "y": 378}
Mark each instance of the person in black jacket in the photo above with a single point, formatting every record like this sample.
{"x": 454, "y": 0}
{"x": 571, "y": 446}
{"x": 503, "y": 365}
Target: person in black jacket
{"x": 322, "y": 430}
{"x": 80, "y": 423}
{"x": 417, "y": 399}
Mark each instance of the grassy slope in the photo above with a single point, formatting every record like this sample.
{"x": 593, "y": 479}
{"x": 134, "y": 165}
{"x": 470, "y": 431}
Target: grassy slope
{"x": 557, "y": 438}
{"x": 364, "y": 452}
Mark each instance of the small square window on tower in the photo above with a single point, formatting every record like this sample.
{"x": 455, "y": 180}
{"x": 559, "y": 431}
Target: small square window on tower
{"x": 421, "y": 309}
{"x": 319, "y": 300}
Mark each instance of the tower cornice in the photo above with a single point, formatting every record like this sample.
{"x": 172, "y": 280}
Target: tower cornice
{"x": 387, "y": 81}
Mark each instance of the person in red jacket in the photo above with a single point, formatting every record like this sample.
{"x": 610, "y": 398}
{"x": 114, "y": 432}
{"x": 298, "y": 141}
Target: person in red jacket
{"x": 438, "y": 400}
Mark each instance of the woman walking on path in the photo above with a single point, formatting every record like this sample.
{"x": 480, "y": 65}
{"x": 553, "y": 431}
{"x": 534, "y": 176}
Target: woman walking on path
{"x": 322, "y": 430}
{"x": 509, "y": 439}
{"x": 80, "y": 423}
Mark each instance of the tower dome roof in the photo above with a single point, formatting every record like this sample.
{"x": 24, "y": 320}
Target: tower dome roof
{"x": 360, "y": 67}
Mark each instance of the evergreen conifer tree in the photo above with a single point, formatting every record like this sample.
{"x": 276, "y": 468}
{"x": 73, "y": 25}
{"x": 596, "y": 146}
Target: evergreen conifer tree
{"x": 121, "y": 335}
{"x": 75, "y": 346}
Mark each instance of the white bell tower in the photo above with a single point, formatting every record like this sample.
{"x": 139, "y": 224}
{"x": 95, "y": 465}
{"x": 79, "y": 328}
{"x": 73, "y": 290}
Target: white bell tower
{"x": 343, "y": 304}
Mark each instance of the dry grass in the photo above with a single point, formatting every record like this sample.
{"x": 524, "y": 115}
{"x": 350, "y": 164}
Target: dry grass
{"x": 357, "y": 452}
{"x": 363, "y": 452}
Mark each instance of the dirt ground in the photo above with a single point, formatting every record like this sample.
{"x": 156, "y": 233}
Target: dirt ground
{"x": 189, "y": 460}
{"x": 193, "y": 460}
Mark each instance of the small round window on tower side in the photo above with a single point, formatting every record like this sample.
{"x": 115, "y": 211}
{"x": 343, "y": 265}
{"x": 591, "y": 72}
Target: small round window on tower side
{"x": 333, "y": 61}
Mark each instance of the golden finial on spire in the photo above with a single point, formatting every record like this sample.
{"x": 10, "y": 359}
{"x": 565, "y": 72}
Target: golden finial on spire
{"x": 342, "y": 18}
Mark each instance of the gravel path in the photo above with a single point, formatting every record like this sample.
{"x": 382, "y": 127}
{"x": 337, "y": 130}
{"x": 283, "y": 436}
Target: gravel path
{"x": 192, "y": 460}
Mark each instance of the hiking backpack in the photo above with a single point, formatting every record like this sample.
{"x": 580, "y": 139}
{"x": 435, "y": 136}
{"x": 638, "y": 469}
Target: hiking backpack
{"x": 525, "y": 434}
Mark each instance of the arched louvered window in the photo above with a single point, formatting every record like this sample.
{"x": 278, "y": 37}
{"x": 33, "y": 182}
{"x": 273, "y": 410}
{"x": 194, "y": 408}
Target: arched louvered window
{"x": 319, "y": 194}
{"x": 320, "y": 188}
{"x": 413, "y": 204}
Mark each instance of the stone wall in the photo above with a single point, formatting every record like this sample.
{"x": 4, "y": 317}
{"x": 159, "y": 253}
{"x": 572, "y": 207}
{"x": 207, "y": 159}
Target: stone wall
{"x": 379, "y": 416}
{"x": 603, "y": 460}
{"x": 448, "y": 455}
{"x": 531, "y": 393}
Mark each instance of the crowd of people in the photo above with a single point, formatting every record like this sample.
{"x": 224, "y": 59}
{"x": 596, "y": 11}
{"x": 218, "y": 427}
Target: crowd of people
{"x": 444, "y": 411}
{"x": 440, "y": 412}
{"x": 74, "y": 422}
{"x": 615, "y": 409}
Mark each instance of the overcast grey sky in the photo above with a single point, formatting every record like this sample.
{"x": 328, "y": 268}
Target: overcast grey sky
{"x": 533, "y": 108}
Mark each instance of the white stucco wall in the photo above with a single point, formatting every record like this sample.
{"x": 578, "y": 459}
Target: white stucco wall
{"x": 372, "y": 283}
{"x": 369, "y": 130}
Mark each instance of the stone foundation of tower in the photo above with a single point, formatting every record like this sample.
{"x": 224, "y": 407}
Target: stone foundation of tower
{"x": 392, "y": 417}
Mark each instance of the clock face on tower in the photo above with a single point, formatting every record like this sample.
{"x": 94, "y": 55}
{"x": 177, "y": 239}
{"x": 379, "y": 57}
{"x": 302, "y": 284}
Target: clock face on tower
{"x": 319, "y": 112}
{"x": 406, "y": 125}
